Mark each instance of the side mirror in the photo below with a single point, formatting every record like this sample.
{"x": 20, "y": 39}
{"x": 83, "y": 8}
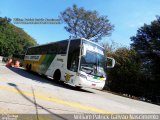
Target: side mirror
{"x": 112, "y": 60}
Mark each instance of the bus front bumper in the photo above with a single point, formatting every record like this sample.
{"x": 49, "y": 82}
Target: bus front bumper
{"x": 91, "y": 83}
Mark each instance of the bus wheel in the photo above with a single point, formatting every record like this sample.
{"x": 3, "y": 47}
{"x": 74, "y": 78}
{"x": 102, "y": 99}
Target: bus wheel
{"x": 29, "y": 68}
{"x": 57, "y": 75}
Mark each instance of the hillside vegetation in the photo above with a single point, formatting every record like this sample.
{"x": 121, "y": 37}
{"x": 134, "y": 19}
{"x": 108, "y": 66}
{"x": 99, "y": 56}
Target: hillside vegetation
{"x": 13, "y": 40}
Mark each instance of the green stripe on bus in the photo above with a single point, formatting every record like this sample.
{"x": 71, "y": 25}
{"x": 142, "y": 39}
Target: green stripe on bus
{"x": 98, "y": 78}
{"x": 46, "y": 63}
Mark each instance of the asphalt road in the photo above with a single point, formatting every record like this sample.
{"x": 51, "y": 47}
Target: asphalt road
{"x": 22, "y": 92}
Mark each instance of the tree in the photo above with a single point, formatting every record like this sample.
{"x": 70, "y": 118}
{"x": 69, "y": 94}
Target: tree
{"x": 124, "y": 77}
{"x": 13, "y": 40}
{"x": 147, "y": 44}
{"x": 86, "y": 24}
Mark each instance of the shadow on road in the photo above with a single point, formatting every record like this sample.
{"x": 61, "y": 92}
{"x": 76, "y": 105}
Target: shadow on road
{"x": 43, "y": 79}
{"x": 52, "y": 115}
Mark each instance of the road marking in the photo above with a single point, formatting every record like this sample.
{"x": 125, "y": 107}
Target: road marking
{"x": 28, "y": 86}
{"x": 59, "y": 101}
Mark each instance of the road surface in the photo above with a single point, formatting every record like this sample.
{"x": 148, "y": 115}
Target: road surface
{"x": 22, "y": 92}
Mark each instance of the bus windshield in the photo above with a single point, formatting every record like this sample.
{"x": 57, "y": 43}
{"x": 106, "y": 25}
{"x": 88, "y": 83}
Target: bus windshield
{"x": 93, "y": 63}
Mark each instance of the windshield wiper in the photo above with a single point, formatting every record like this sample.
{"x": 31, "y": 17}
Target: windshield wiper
{"x": 87, "y": 68}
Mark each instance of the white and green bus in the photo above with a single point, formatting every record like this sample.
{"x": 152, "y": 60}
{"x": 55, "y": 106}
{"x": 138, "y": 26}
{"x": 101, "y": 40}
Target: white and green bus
{"x": 77, "y": 62}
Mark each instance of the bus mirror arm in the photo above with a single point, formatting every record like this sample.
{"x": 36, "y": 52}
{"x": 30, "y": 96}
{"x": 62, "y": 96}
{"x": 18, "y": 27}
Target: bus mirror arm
{"x": 113, "y": 62}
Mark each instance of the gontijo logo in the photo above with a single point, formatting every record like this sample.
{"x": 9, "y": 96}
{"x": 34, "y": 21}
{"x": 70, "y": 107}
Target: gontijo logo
{"x": 32, "y": 57}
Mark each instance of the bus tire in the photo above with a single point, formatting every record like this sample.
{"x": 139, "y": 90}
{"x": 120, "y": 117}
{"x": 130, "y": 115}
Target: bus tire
{"x": 57, "y": 75}
{"x": 27, "y": 67}
{"x": 30, "y": 67}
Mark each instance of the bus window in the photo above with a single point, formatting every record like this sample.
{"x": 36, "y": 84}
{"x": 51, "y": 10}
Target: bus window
{"x": 73, "y": 55}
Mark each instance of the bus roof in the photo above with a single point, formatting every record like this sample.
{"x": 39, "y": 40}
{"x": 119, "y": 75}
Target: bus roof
{"x": 46, "y": 43}
{"x": 68, "y": 39}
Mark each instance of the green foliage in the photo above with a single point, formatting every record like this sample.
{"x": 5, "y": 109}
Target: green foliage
{"x": 124, "y": 77}
{"x": 137, "y": 70}
{"x": 86, "y": 24}
{"x": 13, "y": 40}
{"x": 147, "y": 44}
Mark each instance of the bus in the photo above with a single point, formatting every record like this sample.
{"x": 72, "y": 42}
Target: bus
{"x": 77, "y": 62}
